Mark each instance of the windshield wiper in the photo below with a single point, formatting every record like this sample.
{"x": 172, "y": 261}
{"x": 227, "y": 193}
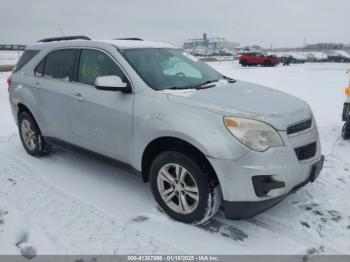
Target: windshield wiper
{"x": 206, "y": 84}
{"x": 230, "y": 80}
{"x": 199, "y": 86}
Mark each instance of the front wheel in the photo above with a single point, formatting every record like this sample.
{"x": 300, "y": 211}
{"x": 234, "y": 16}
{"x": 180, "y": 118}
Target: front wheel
{"x": 182, "y": 189}
{"x": 267, "y": 63}
{"x": 345, "y": 133}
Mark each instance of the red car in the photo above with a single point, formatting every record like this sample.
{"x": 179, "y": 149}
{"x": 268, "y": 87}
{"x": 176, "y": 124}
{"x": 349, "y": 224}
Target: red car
{"x": 255, "y": 58}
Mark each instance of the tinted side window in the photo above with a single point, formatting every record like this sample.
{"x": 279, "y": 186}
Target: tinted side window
{"x": 39, "y": 70}
{"x": 60, "y": 64}
{"x": 95, "y": 63}
{"x": 25, "y": 58}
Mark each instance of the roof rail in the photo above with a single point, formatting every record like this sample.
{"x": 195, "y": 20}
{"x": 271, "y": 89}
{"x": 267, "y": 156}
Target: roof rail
{"x": 63, "y": 38}
{"x": 130, "y": 38}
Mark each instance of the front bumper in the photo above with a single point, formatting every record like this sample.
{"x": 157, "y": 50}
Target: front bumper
{"x": 278, "y": 170}
{"x": 245, "y": 209}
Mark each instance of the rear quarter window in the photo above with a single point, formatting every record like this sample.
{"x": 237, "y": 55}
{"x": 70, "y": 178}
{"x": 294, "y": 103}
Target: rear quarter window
{"x": 25, "y": 58}
{"x": 39, "y": 70}
{"x": 59, "y": 64}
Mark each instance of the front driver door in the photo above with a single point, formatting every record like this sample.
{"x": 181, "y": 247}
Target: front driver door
{"x": 101, "y": 121}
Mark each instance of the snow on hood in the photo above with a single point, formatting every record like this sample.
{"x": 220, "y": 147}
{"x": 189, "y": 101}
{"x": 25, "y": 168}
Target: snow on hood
{"x": 184, "y": 92}
{"x": 249, "y": 100}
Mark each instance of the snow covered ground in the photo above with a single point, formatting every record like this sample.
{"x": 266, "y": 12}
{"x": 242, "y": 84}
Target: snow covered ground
{"x": 69, "y": 203}
{"x": 9, "y": 57}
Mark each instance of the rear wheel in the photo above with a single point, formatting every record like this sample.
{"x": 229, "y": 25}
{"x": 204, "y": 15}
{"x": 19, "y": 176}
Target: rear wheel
{"x": 244, "y": 63}
{"x": 31, "y": 137}
{"x": 182, "y": 189}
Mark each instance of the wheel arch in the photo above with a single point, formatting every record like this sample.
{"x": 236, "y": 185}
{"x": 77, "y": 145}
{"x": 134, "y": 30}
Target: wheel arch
{"x": 23, "y": 108}
{"x": 161, "y": 144}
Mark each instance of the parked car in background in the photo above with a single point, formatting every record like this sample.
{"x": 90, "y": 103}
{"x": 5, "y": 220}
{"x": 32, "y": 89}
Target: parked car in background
{"x": 316, "y": 57}
{"x": 199, "y": 137}
{"x": 298, "y": 58}
{"x": 338, "y": 56}
{"x": 257, "y": 58}
{"x": 285, "y": 60}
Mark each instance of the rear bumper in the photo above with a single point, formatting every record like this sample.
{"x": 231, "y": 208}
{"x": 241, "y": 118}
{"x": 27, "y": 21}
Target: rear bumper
{"x": 248, "y": 209}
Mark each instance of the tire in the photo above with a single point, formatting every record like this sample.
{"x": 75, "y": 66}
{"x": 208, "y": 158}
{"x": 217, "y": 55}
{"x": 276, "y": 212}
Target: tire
{"x": 30, "y": 135}
{"x": 244, "y": 63}
{"x": 345, "y": 133}
{"x": 198, "y": 203}
{"x": 267, "y": 63}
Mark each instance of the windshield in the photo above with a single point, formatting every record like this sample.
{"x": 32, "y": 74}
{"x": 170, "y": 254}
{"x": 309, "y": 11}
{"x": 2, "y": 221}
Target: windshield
{"x": 165, "y": 68}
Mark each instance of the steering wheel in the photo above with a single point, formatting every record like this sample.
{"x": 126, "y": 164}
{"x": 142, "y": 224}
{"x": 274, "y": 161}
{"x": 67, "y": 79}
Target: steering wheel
{"x": 180, "y": 74}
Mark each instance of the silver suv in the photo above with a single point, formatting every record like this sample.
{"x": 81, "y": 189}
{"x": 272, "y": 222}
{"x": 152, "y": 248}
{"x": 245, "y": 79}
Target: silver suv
{"x": 201, "y": 139}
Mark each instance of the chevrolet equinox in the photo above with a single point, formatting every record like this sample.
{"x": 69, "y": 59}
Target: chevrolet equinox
{"x": 202, "y": 139}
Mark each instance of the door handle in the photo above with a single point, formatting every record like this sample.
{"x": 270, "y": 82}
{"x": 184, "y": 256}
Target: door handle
{"x": 78, "y": 97}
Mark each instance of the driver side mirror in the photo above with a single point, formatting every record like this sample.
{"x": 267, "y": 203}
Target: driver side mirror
{"x": 111, "y": 83}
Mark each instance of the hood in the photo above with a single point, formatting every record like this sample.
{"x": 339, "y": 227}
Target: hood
{"x": 247, "y": 100}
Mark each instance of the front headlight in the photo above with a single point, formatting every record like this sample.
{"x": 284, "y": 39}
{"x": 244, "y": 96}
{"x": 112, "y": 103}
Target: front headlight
{"x": 256, "y": 135}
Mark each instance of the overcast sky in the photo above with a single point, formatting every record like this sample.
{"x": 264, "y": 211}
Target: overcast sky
{"x": 264, "y": 22}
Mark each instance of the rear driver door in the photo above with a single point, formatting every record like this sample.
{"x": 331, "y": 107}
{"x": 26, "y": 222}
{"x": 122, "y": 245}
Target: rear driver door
{"x": 52, "y": 84}
{"x": 101, "y": 121}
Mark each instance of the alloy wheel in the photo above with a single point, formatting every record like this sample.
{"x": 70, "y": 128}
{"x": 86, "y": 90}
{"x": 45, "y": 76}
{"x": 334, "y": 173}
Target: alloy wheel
{"x": 178, "y": 189}
{"x": 28, "y": 134}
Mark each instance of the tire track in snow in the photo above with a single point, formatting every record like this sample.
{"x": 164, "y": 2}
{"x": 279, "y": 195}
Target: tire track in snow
{"x": 278, "y": 226}
{"x": 230, "y": 233}
{"x": 81, "y": 225}
{"x": 229, "y": 236}
{"x": 233, "y": 235}
{"x": 129, "y": 223}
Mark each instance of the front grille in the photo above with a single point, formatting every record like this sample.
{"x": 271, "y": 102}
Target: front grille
{"x": 306, "y": 152}
{"x": 299, "y": 127}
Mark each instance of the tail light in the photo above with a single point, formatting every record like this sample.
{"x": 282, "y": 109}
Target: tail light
{"x": 9, "y": 83}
